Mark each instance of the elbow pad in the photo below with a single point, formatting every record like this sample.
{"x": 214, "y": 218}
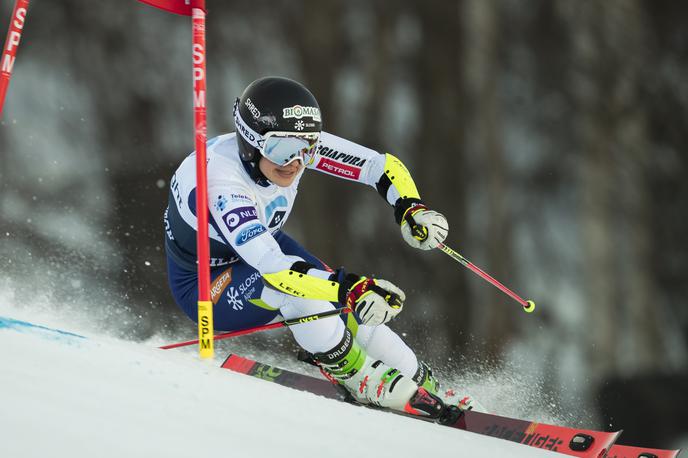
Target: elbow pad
{"x": 396, "y": 174}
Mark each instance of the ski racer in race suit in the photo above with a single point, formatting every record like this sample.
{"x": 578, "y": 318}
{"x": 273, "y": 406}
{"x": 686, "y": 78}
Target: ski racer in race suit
{"x": 259, "y": 274}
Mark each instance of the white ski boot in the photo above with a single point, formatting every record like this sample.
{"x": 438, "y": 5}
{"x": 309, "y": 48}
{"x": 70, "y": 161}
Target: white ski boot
{"x": 369, "y": 381}
{"x": 425, "y": 378}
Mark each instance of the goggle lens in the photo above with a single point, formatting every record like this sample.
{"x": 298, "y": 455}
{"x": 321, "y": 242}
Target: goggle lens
{"x": 283, "y": 149}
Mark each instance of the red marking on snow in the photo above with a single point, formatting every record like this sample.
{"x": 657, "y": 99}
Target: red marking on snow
{"x": 449, "y": 393}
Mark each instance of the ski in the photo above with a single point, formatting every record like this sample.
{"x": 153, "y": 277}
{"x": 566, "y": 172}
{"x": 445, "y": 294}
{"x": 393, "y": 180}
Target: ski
{"x": 626, "y": 451}
{"x": 570, "y": 441}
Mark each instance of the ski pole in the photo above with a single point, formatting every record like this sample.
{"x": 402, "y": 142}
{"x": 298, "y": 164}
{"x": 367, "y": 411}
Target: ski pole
{"x": 528, "y": 306}
{"x": 421, "y": 233}
{"x": 265, "y": 327}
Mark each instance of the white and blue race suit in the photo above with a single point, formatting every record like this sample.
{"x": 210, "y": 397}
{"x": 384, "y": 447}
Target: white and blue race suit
{"x": 247, "y": 241}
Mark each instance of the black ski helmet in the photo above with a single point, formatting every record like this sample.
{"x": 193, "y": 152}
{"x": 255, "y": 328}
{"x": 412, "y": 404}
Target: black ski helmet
{"x": 273, "y": 104}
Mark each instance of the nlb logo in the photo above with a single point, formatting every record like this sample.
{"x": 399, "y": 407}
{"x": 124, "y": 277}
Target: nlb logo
{"x": 239, "y": 216}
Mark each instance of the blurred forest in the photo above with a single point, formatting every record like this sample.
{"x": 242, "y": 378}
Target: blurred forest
{"x": 553, "y": 134}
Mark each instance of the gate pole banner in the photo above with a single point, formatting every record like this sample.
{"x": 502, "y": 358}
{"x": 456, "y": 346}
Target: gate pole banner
{"x": 205, "y": 305}
{"x": 9, "y": 51}
{"x": 196, "y": 9}
{"x": 182, "y": 7}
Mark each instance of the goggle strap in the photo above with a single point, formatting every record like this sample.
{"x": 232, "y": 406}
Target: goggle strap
{"x": 251, "y": 136}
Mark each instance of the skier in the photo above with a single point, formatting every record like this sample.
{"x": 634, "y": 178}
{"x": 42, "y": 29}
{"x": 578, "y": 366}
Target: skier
{"x": 259, "y": 273}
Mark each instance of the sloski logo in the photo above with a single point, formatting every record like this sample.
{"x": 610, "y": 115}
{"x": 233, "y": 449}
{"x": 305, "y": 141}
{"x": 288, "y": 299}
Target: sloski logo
{"x": 233, "y": 299}
{"x": 249, "y": 233}
{"x": 247, "y": 288}
{"x": 298, "y": 112}
{"x": 239, "y": 216}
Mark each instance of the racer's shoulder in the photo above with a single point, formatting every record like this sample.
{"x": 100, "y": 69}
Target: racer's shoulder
{"x": 224, "y": 145}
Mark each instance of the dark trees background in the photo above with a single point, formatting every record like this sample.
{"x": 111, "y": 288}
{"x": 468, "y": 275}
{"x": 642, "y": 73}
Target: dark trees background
{"x": 551, "y": 133}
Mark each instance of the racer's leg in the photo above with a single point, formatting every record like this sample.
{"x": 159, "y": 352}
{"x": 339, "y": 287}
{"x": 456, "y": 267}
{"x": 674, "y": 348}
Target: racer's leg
{"x": 384, "y": 344}
{"x": 234, "y": 289}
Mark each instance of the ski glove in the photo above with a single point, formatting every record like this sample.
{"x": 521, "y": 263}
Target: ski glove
{"x": 423, "y": 228}
{"x": 375, "y": 301}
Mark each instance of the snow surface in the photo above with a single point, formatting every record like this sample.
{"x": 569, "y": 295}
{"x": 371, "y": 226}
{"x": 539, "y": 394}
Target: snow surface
{"x": 66, "y": 396}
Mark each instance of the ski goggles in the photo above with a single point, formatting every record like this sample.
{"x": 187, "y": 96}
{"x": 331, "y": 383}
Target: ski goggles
{"x": 283, "y": 148}
{"x": 278, "y": 147}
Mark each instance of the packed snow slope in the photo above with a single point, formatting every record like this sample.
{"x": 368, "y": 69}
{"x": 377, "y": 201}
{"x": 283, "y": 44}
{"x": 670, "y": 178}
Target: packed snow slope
{"x": 67, "y": 396}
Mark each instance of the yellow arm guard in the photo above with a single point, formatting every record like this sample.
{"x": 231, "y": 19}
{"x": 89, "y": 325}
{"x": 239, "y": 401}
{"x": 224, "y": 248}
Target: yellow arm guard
{"x": 303, "y": 285}
{"x": 399, "y": 176}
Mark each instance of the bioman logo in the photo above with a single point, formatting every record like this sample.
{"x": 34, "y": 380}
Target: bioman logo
{"x": 298, "y": 112}
{"x": 249, "y": 233}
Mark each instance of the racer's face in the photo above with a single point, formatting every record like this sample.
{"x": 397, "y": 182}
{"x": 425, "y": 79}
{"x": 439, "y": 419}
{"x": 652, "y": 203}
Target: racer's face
{"x": 282, "y": 176}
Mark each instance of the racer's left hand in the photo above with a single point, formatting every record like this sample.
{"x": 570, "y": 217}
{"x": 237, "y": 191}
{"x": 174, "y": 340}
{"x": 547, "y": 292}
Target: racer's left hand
{"x": 424, "y": 228}
{"x": 374, "y": 300}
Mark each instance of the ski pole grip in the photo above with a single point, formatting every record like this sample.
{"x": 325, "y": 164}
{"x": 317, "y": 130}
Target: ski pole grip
{"x": 420, "y": 233}
{"x": 392, "y": 299}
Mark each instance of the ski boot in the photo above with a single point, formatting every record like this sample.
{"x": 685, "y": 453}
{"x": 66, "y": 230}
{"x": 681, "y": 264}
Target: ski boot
{"x": 424, "y": 378}
{"x": 372, "y": 382}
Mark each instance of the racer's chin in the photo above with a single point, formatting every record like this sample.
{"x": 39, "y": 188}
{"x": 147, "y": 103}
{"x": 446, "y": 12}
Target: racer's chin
{"x": 282, "y": 176}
